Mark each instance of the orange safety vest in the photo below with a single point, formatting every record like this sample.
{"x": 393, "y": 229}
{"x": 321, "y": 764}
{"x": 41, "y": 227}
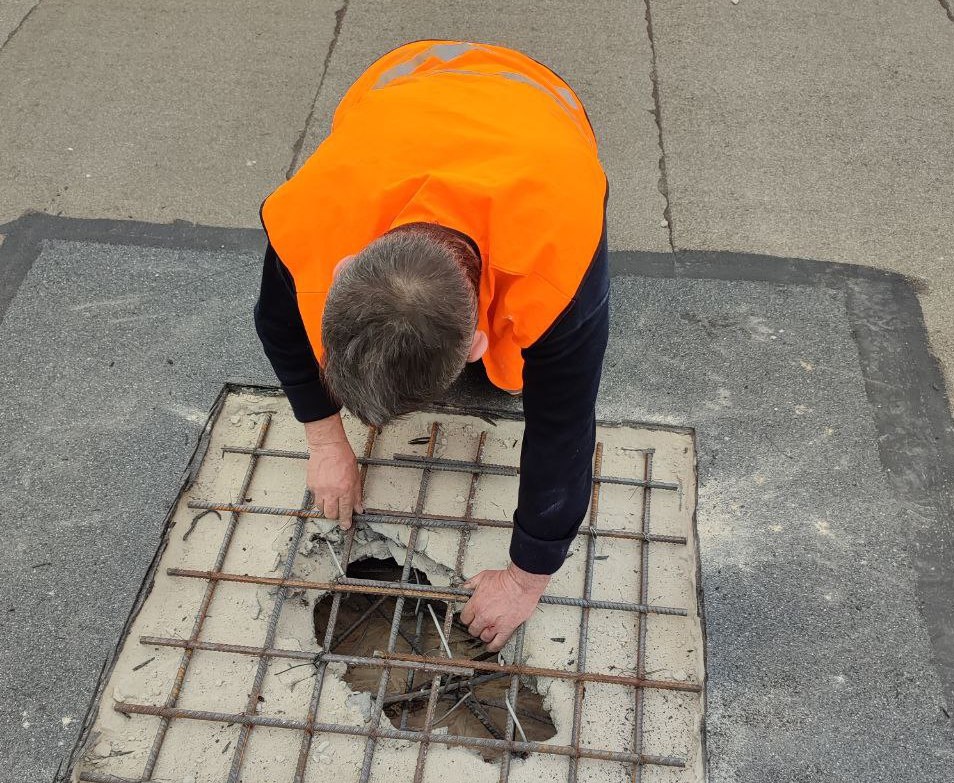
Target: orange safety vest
{"x": 473, "y": 137}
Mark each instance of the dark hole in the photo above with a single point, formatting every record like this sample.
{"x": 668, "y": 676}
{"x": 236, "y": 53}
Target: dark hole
{"x": 483, "y": 714}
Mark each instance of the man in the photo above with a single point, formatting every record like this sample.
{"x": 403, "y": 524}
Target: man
{"x": 454, "y": 214}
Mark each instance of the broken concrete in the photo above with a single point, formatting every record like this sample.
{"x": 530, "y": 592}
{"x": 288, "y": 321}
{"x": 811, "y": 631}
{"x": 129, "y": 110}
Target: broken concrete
{"x": 202, "y": 750}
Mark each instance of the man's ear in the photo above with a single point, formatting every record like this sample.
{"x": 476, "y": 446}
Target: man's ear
{"x": 478, "y": 347}
{"x": 339, "y": 266}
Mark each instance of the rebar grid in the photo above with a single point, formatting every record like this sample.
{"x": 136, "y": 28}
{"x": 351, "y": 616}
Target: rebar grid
{"x": 477, "y": 670}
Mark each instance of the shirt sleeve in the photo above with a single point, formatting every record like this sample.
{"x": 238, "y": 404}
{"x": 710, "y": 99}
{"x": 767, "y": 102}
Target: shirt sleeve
{"x": 561, "y": 378}
{"x": 282, "y": 333}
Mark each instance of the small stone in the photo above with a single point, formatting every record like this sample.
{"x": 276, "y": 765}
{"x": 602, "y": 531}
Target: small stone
{"x": 235, "y": 419}
{"x": 664, "y": 223}
{"x": 103, "y": 748}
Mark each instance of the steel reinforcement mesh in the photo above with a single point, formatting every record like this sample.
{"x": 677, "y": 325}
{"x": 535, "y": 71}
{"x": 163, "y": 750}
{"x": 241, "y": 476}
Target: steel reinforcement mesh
{"x": 389, "y": 661}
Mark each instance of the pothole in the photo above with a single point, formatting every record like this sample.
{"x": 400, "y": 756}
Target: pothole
{"x": 471, "y": 707}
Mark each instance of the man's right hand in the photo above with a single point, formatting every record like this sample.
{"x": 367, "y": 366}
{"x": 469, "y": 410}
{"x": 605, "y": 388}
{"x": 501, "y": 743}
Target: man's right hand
{"x": 332, "y": 473}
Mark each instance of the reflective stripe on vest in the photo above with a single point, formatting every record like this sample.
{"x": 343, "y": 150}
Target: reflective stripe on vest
{"x": 445, "y": 52}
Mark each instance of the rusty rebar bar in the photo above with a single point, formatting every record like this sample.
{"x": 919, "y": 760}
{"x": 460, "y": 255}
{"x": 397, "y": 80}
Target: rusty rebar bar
{"x": 409, "y": 679}
{"x": 460, "y": 666}
{"x": 476, "y": 708}
{"x": 305, "y": 748}
{"x": 412, "y": 461}
{"x": 512, "y": 693}
{"x": 410, "y": 519}
{"x": 640, "y": 705}
{"x": 507, "y": 470}
{"x": 316, "y": 658}
{"x": 251, "y": 707}
{"x": 410, "y": 590}
{"x": 378, "y": 708}
{"x": 431, "y": 706}
{"x": 417, "y": 461}
{"x": 473, "y": 706}
{"x": 523, "y": 712}
{"x": 449, "y": 688}
{"x": 579, "y": 689}
{"x": 453, "y": 740}
{"x": 448, "y": 619}
{"x": 539, "y": 671}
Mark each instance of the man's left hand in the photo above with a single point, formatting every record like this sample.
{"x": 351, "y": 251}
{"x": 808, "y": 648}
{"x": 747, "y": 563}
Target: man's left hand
{"x": 502, "y": 600}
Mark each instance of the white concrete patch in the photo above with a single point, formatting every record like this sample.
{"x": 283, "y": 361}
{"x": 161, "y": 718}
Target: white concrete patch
{"x": 220, "y": 682}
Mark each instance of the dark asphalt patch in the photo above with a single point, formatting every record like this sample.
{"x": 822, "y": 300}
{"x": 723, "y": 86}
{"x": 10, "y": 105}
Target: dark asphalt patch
{"x": 825, "y": 460}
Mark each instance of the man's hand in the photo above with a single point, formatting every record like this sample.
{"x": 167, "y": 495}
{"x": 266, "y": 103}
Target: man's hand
{"x": 501, "y": 601}
{"x": 332, "y": 474}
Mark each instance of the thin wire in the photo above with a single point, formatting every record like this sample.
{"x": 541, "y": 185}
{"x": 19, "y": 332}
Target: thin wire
{"x": 335, "y": 557}
{"x": 437, "y": 625}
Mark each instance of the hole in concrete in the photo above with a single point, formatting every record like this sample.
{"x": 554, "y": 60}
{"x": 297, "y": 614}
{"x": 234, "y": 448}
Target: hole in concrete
{"x": 483, "y": 714}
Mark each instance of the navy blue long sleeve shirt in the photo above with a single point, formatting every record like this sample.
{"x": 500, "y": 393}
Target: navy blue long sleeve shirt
{"x": 561, "y": 378}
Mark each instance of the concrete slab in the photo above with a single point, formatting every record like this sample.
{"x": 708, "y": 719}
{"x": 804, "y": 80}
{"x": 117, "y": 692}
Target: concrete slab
{"x": 272, "y": 545}
{"x": 611, "y": 73}
{"x": 12, "y": 13}
{"x": 817, "y": 130}
{"x": 824, "y": 443}
{"x": 156, "y": 110}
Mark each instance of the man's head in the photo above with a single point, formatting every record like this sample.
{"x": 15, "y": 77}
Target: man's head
{"x": 400, "y": 321}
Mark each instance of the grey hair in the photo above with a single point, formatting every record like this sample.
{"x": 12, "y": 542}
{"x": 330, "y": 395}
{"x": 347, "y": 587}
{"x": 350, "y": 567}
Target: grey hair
{"x": 398, "y": 323}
